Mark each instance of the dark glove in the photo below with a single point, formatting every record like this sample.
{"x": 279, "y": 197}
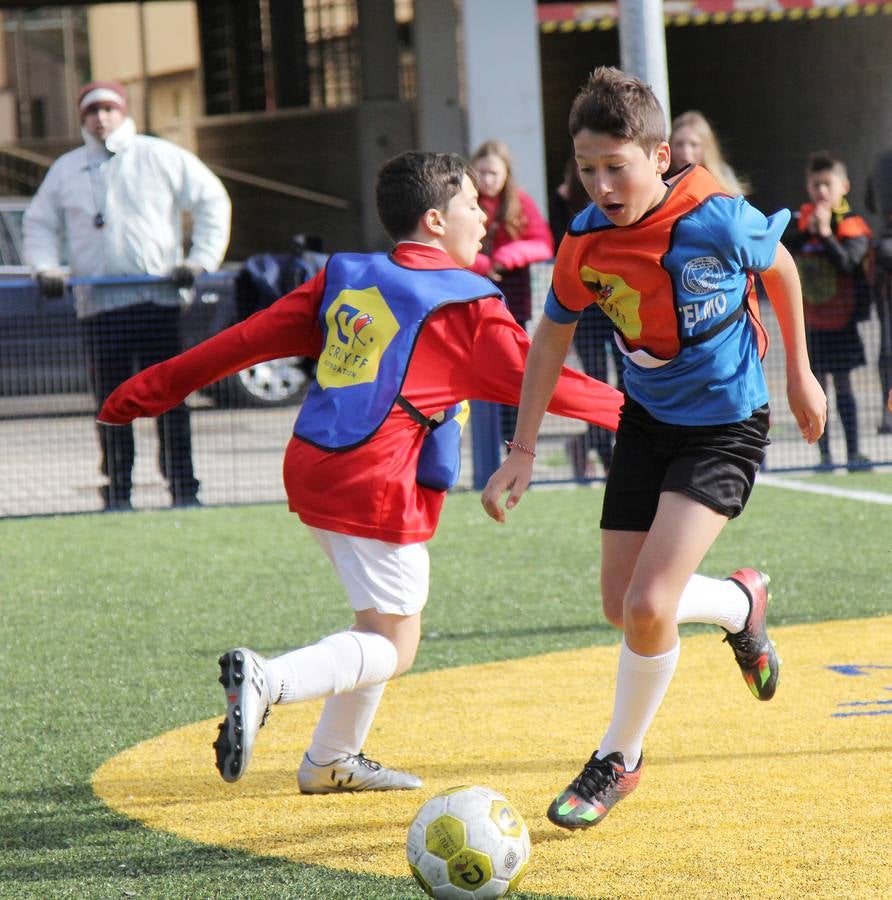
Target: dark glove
{"x": 51, "y": 284}
{"x": 184, "y": 275}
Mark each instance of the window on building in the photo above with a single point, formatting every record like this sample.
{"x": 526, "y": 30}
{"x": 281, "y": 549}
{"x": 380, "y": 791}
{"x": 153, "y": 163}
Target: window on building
{"x": 38, "y": 117}
{"x": 275, "y": 54}
{"x": 47, "y": 59}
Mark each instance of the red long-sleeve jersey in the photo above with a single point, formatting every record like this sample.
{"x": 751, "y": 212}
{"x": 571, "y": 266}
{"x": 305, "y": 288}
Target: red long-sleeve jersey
{"x": 465, "y": 351}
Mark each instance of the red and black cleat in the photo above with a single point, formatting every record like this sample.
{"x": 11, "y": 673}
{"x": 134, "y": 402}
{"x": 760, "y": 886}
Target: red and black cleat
{"x": 752, "y": 648}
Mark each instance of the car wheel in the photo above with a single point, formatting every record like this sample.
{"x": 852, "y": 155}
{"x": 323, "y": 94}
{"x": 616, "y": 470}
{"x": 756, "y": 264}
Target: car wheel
{"x": 280, "y": 382}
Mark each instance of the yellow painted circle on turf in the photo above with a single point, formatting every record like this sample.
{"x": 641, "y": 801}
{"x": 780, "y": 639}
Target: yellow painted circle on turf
{"x": 738, "y": 798}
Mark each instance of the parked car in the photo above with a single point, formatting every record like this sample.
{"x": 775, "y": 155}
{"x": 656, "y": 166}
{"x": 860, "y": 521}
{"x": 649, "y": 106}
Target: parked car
{"x": 41, "y": 352}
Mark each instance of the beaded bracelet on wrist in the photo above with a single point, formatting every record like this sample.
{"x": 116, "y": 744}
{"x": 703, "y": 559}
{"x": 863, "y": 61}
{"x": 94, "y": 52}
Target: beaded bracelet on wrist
{"x": 516, "y": 445}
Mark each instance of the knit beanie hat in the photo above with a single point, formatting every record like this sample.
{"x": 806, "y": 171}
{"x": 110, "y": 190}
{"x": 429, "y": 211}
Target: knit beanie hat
{"x": 102, "y": 92}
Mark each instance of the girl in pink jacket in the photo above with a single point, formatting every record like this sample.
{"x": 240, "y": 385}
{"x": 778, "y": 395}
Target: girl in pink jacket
{"x": 516, "y": 235}
{"x": 516, "y": 232}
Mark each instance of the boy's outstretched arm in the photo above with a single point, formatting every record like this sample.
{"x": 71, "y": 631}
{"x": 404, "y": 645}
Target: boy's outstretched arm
{"x": 546, "y": 358}
{"x": 804, "y": 394}
{"x": 286, "y": 328}
{"x": 500, "y": 350}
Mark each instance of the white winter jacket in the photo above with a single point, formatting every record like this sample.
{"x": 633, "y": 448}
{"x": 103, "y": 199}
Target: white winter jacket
{"x": 140, "y": 186}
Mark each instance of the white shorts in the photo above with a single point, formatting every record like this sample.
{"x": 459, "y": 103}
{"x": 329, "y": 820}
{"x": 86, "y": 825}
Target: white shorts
{"x": 391, "y": 578}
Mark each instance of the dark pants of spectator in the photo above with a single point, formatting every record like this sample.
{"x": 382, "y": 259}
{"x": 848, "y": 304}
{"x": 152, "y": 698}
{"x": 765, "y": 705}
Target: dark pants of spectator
{"x": 593, "y": 341}
{"x": 836, "y": 353}
{"x": 884, "y": 363}
{"x": 508, "y": 414}
{"x": 515, "y": 285}
{"x": 117, "y": 345}
{"x": 847, "y": 409}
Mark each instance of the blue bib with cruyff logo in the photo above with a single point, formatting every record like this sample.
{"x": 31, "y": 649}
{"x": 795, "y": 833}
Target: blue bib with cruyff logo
{"x": 371, "y": 314}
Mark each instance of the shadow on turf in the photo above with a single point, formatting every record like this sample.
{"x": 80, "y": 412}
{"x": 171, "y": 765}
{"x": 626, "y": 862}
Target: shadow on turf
{"x": 601, "y": 629}
{"x": 54, "y": 818}
{"x": 75, "y": 838}
{"x": 508, "y": 633}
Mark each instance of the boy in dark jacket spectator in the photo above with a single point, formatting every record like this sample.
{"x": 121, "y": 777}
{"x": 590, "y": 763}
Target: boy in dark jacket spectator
{"x": 830, "y": 244}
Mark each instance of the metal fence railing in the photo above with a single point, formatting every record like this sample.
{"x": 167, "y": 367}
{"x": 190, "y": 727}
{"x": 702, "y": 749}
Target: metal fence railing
{"x": 50, "y": 459}
{"x": 49, "y": 451}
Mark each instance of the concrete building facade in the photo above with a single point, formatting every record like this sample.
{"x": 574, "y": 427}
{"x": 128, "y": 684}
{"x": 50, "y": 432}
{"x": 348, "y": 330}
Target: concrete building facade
{"x": 297, "y": 103}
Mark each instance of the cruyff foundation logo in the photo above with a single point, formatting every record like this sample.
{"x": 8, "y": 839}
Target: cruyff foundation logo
{"x": 360, "y": 327}
{"x": 352, "y": 319}
{"x": 620, "y": 302}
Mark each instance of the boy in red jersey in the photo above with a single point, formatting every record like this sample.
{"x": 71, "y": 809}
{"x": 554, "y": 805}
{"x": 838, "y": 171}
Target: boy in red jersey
{"x": 400, "y": 339}
{"x": 669, "y": 262}
{"x": 830, "y": 243}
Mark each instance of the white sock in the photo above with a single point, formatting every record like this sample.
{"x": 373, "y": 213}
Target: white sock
{"x": 714, "y": 601}
{"x": 345, "y": 723}
{"x": 641, "y": 684}
{"x": 337, "y": 664}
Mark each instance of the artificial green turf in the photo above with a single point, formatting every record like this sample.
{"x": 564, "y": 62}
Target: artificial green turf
{"x": 112, "y": 625}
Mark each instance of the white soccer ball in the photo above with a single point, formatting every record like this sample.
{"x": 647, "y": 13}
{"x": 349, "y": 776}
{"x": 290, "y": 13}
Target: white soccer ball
{"x": 468, "y": 843}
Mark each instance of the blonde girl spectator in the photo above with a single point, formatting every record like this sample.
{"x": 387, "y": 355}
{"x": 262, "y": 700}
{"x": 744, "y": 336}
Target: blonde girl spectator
{"x": 693, "y": 141}
{"x": 516, "y": 232}
{"x": 517, "y": 235}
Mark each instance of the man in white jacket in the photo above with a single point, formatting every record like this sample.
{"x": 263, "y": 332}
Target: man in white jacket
{"x": 116, "y": 204}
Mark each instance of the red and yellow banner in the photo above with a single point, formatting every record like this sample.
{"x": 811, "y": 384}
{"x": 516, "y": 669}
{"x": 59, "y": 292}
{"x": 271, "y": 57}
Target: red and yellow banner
{"x": 566, "y": 17}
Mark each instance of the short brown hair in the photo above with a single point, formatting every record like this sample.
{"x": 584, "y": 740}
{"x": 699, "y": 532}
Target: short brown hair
{"x": 825, "y": 161}
{"x": 412, "y": 183}
{"x": 614, "y": 103}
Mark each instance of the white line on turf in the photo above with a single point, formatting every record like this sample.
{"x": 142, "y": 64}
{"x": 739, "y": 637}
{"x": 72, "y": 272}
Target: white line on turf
{"x": 807, "y": 487}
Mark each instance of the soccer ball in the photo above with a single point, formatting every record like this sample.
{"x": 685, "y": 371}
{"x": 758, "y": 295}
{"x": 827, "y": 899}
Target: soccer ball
{"x": 468, "y": 843}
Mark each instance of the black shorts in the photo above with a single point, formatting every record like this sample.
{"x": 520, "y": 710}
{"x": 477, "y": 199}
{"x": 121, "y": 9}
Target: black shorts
{"x": 715, "y": 465}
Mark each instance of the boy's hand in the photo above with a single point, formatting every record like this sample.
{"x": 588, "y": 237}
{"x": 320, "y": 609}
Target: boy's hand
{"x": 822, "y": 219}
{"x": 513, "y": 475}
{"x": 808, "y": 405}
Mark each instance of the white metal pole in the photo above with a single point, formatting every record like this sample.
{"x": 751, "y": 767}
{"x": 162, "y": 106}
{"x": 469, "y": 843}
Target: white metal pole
{"x": 642, "y": 46}
{"x": 503, "y": 83}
